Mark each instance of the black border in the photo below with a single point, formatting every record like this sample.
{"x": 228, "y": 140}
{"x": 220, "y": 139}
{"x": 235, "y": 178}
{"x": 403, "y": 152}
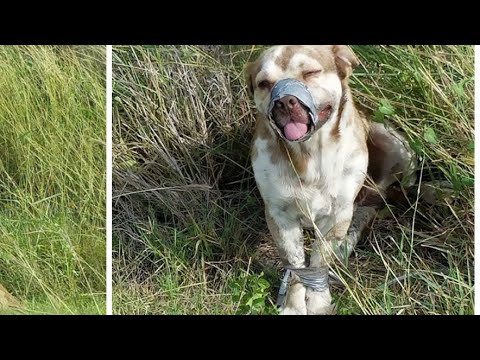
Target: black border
{"x": 252, "y": 26}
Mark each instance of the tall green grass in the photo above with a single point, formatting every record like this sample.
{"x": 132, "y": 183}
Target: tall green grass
{"x": 52, "y": 177}
{"x": 189, "y": 230}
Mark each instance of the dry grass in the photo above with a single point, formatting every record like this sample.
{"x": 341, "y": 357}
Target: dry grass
{"x": 189, "y": 233}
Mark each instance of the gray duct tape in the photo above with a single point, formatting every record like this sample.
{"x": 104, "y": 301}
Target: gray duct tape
{"x": 295, "y": 88}
{"x": 315, "y": 278}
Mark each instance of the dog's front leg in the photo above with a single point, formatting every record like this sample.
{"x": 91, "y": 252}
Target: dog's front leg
{"x": 319, "y": 302}
{"x": 288, "y": 236}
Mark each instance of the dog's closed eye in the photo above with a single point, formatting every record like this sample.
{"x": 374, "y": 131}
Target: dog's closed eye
{"x": 265, "y": 84}
{"x": 311, "y": 73}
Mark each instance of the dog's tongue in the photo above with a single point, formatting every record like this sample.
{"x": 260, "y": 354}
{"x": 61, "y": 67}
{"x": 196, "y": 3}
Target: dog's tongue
{"x": 295, "y": 130}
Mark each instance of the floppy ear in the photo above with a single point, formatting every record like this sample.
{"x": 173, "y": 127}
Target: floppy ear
{"x": 249, "y": 72}
{"x": 345, "y": 60}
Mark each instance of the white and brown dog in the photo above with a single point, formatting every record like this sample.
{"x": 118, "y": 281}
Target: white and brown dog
{"x": 311, "y": 160}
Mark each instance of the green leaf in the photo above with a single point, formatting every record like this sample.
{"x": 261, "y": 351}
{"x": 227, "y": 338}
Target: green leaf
{"x": 418, "y": 77}
{"x": 416, "y": 146}
{"x": 430, "y": 135}
{"x": 378, "y": 117}
{"x": 263, "y": 284}
{"x": 256, "y": 296}
{"x": 258, "y": 303}
{"x": 459, "y": 88}
{"x": 386, "y": 108}
{"x": 467, "y": 181}
{"x": 471, "y": 146}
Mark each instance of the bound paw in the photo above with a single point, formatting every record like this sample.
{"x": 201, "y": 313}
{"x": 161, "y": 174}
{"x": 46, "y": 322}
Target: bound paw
{"x": 295, "y": 303}
{"x": 319, "y": 302}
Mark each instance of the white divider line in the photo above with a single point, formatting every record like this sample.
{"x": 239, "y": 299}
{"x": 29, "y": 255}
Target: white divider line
{"x": 109, "y": 180}
{"x": 477, "y": 154}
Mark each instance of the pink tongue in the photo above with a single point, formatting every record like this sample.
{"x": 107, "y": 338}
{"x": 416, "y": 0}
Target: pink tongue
{"x": 295, "y": 130}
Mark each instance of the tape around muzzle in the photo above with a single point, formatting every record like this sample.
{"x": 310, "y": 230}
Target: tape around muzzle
{"x": 292, "y": 87}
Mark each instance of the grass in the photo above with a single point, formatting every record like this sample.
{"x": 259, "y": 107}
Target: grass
{"x": 52, "y": 178}
{"x": 188, "y": 226}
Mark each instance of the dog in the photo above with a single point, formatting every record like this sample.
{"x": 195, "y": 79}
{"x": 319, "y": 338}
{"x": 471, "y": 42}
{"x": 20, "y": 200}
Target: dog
{"x": 313, "y": 154}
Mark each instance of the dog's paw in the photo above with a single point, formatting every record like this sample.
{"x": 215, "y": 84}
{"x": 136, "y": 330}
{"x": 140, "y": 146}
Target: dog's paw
{"x": 326, "y": 310}
{"x": 319, "y": 302}
{"x": 293, "y": 311}
{"x": 295, "y": 302}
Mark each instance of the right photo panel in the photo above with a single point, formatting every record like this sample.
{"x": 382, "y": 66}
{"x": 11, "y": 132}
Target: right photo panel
{"x": 293, "y": 180}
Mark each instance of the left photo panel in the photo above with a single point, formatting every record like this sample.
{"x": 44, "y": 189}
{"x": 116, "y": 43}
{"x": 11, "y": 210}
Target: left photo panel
{"x": 52, "y": 179}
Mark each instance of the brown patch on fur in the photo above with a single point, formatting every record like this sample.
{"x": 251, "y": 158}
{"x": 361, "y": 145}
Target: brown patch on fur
{"x": 357, "y": 118}
{"x": 284, "y": 58}
{"x": 335, "y": 133}
{"x": 261, "y": 129}
{"x": 250, "y": 72}
{"x": 324, "y": 55}
{"x": 345, "y": 60}
{"x": 279, "y": 152}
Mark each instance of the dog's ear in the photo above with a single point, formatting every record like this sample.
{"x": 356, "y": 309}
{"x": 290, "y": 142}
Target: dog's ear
{"x": 345, "y": 60}
{"x": 249, "y": 72}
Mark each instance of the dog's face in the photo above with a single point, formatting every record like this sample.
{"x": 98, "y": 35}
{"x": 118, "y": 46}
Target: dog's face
{"x": 322, "y": 68}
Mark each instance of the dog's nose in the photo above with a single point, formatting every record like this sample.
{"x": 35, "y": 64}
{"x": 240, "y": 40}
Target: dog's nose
{"x": 287, "y": 102}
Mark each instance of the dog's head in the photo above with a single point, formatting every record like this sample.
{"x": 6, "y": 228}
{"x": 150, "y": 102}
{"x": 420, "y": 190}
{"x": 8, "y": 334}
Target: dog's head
{"x": 313, "y": 93}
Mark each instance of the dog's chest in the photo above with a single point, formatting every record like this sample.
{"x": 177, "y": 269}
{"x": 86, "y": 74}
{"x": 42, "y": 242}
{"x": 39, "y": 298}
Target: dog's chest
{"x": 308, "y": 196}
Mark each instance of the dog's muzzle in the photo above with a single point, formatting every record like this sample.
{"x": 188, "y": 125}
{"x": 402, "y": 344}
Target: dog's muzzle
{"x": 292, "y": 87}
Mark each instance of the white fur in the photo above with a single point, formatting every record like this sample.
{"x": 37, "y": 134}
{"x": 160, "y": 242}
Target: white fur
{"x": 295, "y": 304}
{"x": 322, "y": 189}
